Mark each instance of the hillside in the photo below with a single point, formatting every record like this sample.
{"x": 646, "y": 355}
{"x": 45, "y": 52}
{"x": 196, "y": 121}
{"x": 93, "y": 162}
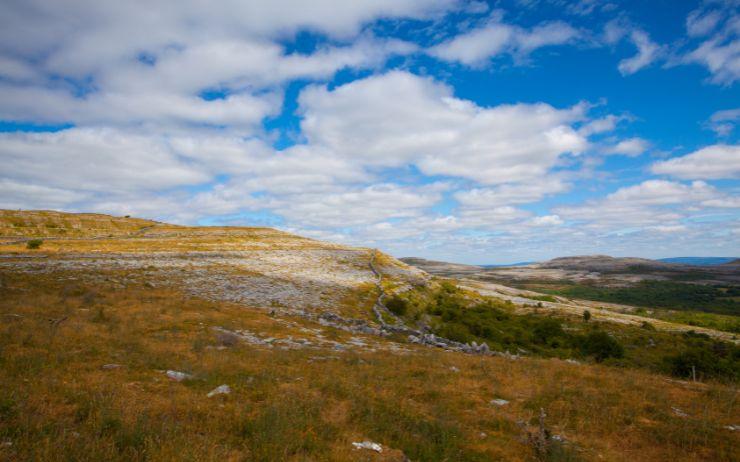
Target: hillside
{"x": 162, "y": 342}
{"x": 604, "y": 263}
{"x": 48, "y": 223}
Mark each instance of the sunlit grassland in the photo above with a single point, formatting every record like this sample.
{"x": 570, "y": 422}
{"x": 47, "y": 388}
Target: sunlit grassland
{"x": 57, "y": 403}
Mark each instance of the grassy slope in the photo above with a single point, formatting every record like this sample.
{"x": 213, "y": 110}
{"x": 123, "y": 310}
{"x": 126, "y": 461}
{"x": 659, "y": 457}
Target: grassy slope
{"x": 57, "y": 403}
{"x": 47, "y": 223}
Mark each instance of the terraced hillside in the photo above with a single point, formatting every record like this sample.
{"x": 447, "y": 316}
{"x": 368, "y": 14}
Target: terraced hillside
{"x": 125, "y": 339}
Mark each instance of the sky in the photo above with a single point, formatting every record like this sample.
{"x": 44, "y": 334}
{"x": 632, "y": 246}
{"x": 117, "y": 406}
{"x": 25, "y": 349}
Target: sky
{"x": 467, "y": 131}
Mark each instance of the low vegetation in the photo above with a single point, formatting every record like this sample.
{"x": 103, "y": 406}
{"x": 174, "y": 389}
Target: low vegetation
{"x": 464, "y": 317}
{"x": 661, "y": 294}
{"x": 112, "y": 344}
{"x": 83, "y": 379}
{"x": 34, "y": 244}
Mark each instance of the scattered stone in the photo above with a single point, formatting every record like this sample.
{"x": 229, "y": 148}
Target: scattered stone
{"x": 679, "y": 412}
{"x": 499, "y": 402}
{"x": 572, "y": 361}
{"x": 454, "y": 369}
{"x": 108, "y": 367}
{"x": 482, "y": 435}
{"x": 178, "y": 376}
{"x": 733, "y": 428}
{"x": 368, "y": 445}
{"x": 219, "y": 390}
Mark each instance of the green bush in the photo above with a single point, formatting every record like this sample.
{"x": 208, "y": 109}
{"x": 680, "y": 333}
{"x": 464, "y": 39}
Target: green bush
{"x": 601, "y": 346}
{"x": 34, "y": 244}
{"x": 547, "y": 331}
{"x": 709, "y": 358}
{"x": 455, "y": 331}
{"x": 397, "y": 305}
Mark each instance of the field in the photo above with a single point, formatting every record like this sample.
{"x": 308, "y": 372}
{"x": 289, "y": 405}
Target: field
{"x": 91, "y": 327}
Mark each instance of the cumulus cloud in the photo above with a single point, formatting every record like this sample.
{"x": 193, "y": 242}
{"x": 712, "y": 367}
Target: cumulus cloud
{"x": 709, "y": 163}
{"x": 422, "y": 123}
{"x": 92, "y": 63}
{"x": 483, "y": 198}
{"x": 643, "y": 206}
{"x": 100, "y": 160}
{"x": 630, "y": 147}
{"x": 476, "y": 47}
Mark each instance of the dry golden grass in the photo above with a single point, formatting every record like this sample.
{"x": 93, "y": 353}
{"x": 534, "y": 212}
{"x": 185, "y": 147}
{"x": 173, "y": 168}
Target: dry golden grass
{"x": 57, "y": 403}
{"x": 58, "y": 328}
{"x": 48, "y": 223}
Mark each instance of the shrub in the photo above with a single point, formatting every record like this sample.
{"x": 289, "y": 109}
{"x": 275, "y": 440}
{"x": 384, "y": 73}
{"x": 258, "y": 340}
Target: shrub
{"x": 34, "y": 244}
{"x": 397, "y": 305}
{"x": 586, "y": 315}
{"x": 708, "y": 359}
{"x": 601, "y": 346}
{"x": 547, "y": 330}
{"x": 455, "y": 331}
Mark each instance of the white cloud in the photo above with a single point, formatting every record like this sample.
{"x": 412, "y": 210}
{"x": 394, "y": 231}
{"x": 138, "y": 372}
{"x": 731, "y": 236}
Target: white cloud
{"x": 422, "y": 123}
{"x": 92, "y": 63}
{"x": 709, "y": 163}
{"x": 718, "y": 24}
{"x": 508, "y": 194}
{"x": 723, "y": 122}
{"x": 547, "y": 220}
{"x": 653, "y": 204}
{"x": 660, "y": 192}
{"x": 700, "y": 23}
{"x": 630, "y": 147}
{"x": 476, "y": 47}
{"x": 604, "y": 124}
{"x": 99, "y": 160}
{"x": 647, "y": 52}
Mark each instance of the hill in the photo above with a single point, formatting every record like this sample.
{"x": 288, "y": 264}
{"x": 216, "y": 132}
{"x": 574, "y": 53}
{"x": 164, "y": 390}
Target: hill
{"x": 48, "y": 223}
{"x": 603, "y": 263}
{"x": 162, "y": 342}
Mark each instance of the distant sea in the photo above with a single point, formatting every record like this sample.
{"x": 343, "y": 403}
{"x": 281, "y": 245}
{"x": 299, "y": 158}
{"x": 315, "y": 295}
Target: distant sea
{"x": 701, "y": 261}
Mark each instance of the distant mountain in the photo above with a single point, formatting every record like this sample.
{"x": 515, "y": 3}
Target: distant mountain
{"x": 521, "y": 263}
{"x": 699, "y": 261}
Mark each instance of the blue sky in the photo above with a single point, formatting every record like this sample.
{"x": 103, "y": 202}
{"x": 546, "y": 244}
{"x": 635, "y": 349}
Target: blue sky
{"x": 480, "y": 132}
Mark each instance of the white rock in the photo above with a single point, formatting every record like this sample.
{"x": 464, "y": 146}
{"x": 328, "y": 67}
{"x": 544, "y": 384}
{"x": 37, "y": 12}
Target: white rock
{"x": 733, "y": 428}
{"x": 177, "y": 376}
{"x": 679, "y": 412}
{"x": 499, "y": 402}
{"x": 454, "y": 369}
{"x": 220, "y": 390}
{"x": 368, "y": 445}
{"x": 110, "y": 366}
